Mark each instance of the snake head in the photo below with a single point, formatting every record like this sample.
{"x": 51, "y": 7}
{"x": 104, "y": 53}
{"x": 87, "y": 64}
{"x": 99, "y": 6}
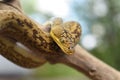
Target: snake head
{"x": 66, "y": 35}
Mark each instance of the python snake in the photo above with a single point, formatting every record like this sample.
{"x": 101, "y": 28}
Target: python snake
{"x": 15, "y": 27}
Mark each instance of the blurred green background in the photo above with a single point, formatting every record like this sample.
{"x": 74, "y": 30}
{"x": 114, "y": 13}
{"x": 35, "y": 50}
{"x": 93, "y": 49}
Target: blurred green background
{"x": 100, "y": 22}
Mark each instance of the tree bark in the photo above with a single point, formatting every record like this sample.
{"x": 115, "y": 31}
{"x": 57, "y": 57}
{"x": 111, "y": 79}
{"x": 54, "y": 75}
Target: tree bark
{"x": 94, "y": 68}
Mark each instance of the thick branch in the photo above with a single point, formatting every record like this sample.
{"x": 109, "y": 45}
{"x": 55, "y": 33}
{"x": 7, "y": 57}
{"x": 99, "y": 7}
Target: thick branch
{"x": 89, "y": 65}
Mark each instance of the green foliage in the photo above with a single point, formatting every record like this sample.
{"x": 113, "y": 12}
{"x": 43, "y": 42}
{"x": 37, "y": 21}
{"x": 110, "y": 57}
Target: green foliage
{"x": 28, "y": 6}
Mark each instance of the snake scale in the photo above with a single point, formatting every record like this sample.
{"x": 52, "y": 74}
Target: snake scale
{"x": 16, "y": 27}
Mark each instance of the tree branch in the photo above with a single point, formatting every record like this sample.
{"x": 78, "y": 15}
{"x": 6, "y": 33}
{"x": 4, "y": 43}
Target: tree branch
{"x": 84, "y": 62}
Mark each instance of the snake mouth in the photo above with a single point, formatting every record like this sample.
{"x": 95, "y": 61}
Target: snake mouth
{"x": 65, "y": 49}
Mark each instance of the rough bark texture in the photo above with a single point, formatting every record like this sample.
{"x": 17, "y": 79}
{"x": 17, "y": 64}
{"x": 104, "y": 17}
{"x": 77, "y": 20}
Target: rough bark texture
{"x": 81, "y": 60}
{"x": 89, "y": 65}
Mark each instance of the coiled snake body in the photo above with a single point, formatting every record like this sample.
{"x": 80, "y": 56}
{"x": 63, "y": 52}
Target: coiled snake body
{"x": 16, "y": 27}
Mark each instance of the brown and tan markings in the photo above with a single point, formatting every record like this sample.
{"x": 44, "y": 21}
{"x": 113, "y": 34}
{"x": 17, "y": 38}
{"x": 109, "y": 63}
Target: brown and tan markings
{"x": 15, "y": 27}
